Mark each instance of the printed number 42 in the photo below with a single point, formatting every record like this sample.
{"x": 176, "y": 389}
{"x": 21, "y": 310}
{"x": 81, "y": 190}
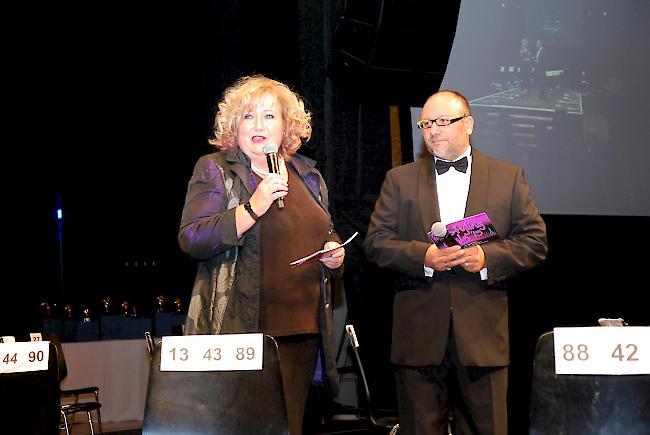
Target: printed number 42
{"x": 618, "y": 352}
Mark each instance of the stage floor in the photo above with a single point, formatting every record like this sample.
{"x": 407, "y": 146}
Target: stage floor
{"x": 557, "y": 99}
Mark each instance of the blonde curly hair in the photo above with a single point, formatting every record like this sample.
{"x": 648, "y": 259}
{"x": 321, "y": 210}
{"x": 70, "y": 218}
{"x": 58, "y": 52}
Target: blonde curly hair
{"x": 239, "y": 98}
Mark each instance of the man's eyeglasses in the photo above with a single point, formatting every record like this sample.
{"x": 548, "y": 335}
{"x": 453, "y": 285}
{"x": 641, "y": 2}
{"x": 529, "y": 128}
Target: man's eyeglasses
{"x": 440, "y": 122}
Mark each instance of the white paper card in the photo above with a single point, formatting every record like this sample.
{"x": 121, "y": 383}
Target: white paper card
{"x": 195, "y": 353}
{"x": 24, "y": 356}
{"x": 322, "y": 251}
{"x": 602, "y": 350}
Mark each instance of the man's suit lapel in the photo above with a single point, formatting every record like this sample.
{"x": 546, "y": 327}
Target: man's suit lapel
{"x": 427, "y": 194}
{"x": 478, "y": 185}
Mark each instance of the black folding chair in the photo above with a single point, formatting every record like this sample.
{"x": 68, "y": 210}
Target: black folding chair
{"x": 29, "y": 401}
{"x": 585, "y": 404}
{"x": 382, "y": 420}
{"x": 216, "y": 402}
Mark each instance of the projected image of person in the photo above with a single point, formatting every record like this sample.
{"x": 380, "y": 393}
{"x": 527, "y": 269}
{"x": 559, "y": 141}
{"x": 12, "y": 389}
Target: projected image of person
{"x": 539, "y": 69}
{"x": 234, "y": 226}
{"x": 525, "y": 64}
{"x": 450, "y": 342}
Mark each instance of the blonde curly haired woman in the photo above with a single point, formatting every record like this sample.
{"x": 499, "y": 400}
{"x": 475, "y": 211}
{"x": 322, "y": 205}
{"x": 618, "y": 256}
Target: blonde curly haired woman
{"x": 244, "y": 241}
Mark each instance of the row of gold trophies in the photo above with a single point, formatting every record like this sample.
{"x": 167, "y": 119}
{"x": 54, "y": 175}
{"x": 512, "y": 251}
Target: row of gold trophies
{"x": 107, "y": 307}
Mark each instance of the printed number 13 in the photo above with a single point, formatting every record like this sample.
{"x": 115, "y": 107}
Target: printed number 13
{"x": 182, "y": 354}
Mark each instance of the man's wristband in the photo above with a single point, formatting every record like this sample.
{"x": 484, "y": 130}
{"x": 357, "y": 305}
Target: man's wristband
{"x": 250, "y": 211}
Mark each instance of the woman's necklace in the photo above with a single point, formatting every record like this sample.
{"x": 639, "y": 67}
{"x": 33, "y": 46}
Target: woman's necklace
{"x": 259, "y": 171}
{"x": 263, "y": 172}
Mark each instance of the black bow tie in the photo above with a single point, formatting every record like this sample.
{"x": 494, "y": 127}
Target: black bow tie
{"x": 443, "y": 166}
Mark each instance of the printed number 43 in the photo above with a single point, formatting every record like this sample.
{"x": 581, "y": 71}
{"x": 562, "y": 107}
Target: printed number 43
{"x": 213, "y": 354}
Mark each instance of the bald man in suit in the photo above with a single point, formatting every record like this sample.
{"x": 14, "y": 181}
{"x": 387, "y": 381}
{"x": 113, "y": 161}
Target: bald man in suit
{"x": 450, "y": 342}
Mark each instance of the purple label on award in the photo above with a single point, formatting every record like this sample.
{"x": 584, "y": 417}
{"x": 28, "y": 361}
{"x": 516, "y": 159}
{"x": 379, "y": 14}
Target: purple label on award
{"x": 470, "y": 231}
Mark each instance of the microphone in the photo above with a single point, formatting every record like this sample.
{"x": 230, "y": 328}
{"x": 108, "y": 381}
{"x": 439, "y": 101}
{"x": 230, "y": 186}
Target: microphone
{"x": 439, "y": 230}
{"x": 271, "y": 151}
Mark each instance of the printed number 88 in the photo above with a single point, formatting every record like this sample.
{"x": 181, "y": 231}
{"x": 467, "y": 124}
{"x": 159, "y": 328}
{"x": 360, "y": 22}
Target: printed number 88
{"x": 569, "y": 352}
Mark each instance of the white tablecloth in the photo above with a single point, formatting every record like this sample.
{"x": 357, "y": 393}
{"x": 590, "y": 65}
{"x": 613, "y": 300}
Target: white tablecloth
{"x": 120, "y": 368}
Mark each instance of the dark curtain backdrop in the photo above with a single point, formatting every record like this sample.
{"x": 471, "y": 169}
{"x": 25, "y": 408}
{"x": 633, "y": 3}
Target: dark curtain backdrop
{"x": 112, "y": 104}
